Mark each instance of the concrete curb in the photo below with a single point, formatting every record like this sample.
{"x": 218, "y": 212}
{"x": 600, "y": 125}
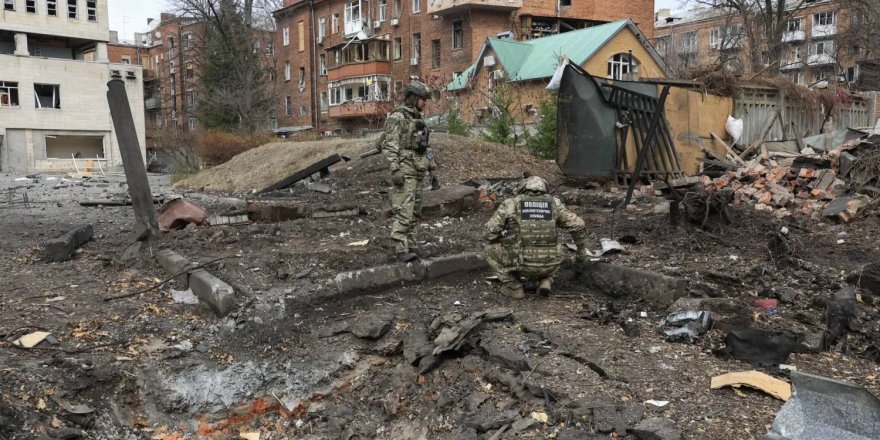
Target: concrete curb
{"x": 381, "y": 276}
{"x": 62, "y": 247}
{"x": 219, "y": 296}
{"x": 616, "y": 280}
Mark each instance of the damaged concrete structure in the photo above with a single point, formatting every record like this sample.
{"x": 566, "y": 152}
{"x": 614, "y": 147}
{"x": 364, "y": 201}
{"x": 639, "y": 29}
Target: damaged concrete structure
{"x": 54, "y": 69}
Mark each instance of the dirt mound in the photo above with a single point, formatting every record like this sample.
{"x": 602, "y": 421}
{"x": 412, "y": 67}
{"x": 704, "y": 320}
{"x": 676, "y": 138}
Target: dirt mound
{"x": 458, "y": 158}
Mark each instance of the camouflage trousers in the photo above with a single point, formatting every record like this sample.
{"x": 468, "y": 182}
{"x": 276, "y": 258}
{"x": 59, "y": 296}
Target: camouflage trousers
{"x": 506, "y": 265}
{"x": 406, "y": 211}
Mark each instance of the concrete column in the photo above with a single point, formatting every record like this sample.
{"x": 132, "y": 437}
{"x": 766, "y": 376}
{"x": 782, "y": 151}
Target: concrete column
{"x": 101, "y": 52}
{"x": 21, "y": 45}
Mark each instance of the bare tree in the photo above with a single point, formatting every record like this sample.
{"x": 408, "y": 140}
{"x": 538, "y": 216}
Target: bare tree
{"x": 860, "y": 40}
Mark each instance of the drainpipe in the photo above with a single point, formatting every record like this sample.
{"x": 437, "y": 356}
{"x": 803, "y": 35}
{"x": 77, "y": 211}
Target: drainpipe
{"x": 316, "y": 113}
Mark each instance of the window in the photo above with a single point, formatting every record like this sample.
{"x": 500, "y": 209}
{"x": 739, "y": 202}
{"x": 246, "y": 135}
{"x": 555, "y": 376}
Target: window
{"x": 92, "y": 10}
{"x": 856, "y": 18}
{"x": 52, "y": 7}
{"x": 126, "y": 59}
{"x": 619, "y": 67}
{"x": 302, "y": 78}
{"x": 416, "y": 6}
{"x": 397, "y": 48}
{"x": 30, "y": 6}
{"x": 301, "y": 35}
{"x": 457, "y": 34}
{"x": 192, "y": 123}
{"x": 797, "y": 77}
{"x": 255, "y": 46}
{"x": 285, "y": 36}
{"x": 794, "y": 25}
{"x": 382, "y": 6}
{"x": 71, "y": 8}
{"x": 689, "y": 41}
{"x": 322, "y": 22}
{"x": 8, "y": 94}
{"x": 8, "y": 5}
{"x": 190, "y": 98}
{"x": 435, "y": 53}
{"x": 335, "y": 96}
{"x": 715, "y": 38}
{"x": 396, "y": 8}
{"x": 352, "y": 16}
{"x": 416, "y": 46}
{"x": 662, "y": 45}
{"x": 322, "y": 61}
{"x": 852, "y": 74}
{"x": 824, "y": 18}
{"x": 270, "y": 47}
{"x": 189, "y": 74}
{"x": 187, "y": 41}
{"x": 287, "y": 70}
{"x": 822, "y": 48}
{"x": 47, "y": 96}
{"x": 288, "y": 107}
{"x": 334, "y": 23}
{"x": 398, "y": 88}
{"x": 324, "y": 102}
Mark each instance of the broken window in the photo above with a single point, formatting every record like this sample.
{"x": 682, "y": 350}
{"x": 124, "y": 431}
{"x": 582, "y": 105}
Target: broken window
{"x": 52, "y": 7}
{"x": 71, "y": 8}
{"x": 47, "y": 96}
{"x": 322, "y": 58}
{"x": 302, "y": 78}
{"x": 92, "y": 10}
{"x": 31, "y": 6}
{"x": 288, "y": 107}
{"x": 352, "y": 16}
{"x": 564, "y": 2}
{"x": 457, "y": 34}
{"x": 8, "y": 5}
{"x": 621, "y": 65}
{"x": 8, "y": 94}
{"x": 794, "y": 25}
{"x": 435, "y": 53}
{"x": 65, "y": 147}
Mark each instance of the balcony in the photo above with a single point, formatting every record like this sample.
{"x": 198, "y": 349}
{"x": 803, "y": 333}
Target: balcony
{"x": 357, "y": 109}
{"x": 152, "y": 103}
{"x": 794, "y": 36}
{"x": 787, "y": 65}
{"x": 824, "y": 30}
{"x": 820, "y": 59}
{"x": 444, "y": 7}
{"x": 736, "y": 44}
{"x": 357, "y": 69}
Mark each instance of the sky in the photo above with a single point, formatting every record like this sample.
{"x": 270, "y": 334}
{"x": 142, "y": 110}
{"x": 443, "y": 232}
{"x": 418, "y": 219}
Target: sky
{"x": 130, "y": 16}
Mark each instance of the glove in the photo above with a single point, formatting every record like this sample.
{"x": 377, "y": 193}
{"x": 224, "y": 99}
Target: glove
{"x": 420, "y": 125}
{"x": 397, "y": 178}
{"x": 435, "y": 182}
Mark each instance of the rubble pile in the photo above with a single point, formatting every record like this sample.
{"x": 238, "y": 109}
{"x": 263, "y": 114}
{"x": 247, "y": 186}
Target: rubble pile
{"x": 836, "y": 184}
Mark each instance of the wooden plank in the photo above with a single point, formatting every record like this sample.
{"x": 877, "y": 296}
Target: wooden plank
{"x": 736, "y": 159}
{"x": 319, "y": 166}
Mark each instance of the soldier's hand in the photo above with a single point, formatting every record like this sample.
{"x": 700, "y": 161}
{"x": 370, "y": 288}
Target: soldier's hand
{"x": 397, "y": 179}
{"x": 435, "y": 182}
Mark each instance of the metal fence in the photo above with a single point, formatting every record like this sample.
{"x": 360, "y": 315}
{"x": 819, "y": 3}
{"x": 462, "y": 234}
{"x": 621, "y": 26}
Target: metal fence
{"x": 756, "y": 106}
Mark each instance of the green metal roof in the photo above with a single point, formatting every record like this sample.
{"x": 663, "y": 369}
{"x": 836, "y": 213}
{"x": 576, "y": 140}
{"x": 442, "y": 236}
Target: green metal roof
{"x": 538, "y": 58}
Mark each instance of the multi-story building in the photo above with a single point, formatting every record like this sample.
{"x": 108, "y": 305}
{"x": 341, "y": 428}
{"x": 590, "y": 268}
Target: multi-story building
{"x": 811, "y": 47}
{"x": 342, "y": 64}
{"x": 54, "y": 69}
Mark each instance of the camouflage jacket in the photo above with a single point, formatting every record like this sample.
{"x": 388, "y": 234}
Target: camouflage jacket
{"x": 398, "y": 143}
{"x": 506, "y": 227}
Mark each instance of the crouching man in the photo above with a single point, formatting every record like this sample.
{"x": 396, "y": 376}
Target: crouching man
{"x": 522, "y": 236}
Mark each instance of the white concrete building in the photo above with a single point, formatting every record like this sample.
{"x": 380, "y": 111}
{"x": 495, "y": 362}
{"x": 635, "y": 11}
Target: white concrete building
{"x": 53, "y": 86}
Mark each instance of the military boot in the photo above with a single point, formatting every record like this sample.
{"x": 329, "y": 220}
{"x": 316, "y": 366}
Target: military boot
{"x": 513, "y": 290}
{"x": 406, "y": 257}
{"x": 545, "y": 287}
{"x": 419, "y": 252}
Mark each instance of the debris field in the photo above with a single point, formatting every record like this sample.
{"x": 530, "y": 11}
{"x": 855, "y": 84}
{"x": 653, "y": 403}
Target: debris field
{"x": 280, "y": 314}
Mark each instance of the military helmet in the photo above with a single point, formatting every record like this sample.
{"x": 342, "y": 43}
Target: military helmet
{"x": 533, "y": 184}
{"x": 418, "y": 89}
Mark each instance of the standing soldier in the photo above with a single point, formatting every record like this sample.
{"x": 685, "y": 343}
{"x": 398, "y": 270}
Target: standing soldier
{"x": 522, "y": 236}
{"x": 405, "y": 146}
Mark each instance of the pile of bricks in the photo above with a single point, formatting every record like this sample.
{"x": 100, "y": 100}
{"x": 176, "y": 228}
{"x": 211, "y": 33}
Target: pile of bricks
{"x": 783, "y": 190}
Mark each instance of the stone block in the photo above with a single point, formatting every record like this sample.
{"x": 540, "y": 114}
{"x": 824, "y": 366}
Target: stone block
{"x": 447, "y": 265}
{"x": 380, "y": 276}
{"x": 174, "y": 263}
{"x": 657, "y": 428}
{"x": 213, "y": 291}
{"x": 267, "y": 211}
{"x": 450, "y": 200}
{"x": 62, "y": 248}
{"x": 617, "y": 280}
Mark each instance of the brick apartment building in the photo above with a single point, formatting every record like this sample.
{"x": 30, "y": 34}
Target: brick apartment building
{"x": 342, "y": 64}
{"x": 811, "y": 46}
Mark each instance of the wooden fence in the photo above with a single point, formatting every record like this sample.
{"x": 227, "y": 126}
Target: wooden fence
{"x": 757, "y": 105}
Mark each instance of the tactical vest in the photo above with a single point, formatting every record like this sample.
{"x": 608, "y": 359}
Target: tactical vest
{"x": 409, "y": 141}
{"x": 537, "y": 231}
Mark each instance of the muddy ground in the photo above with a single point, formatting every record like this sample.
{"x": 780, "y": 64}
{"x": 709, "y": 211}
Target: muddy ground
{"x": 150, "y": 367}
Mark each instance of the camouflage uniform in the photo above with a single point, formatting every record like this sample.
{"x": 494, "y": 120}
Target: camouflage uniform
{"x": 400, "y": 147}
{"x": 522, "y": 234}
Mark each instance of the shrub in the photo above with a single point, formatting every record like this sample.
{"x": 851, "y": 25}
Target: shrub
{"x": 456, "y": 124}
{"x": 216, "y": 146}
{"x": 543, "y": 143}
